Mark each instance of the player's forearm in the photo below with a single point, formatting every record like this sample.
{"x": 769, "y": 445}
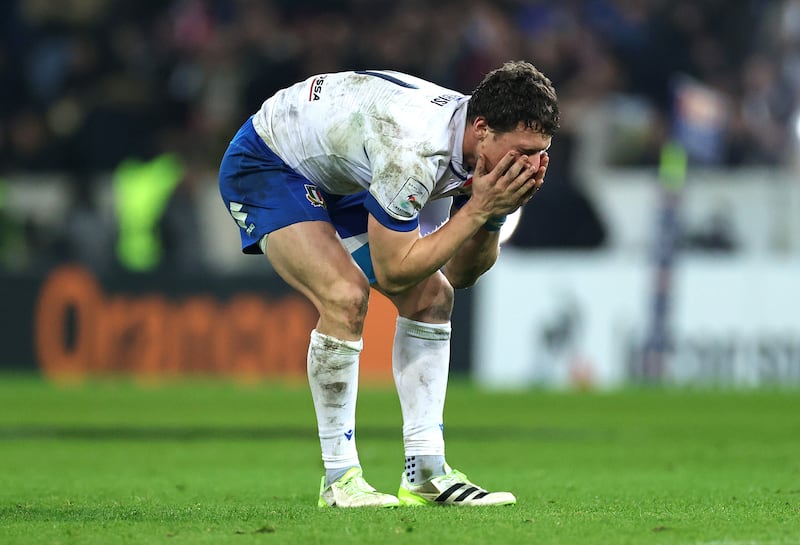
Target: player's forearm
{"x": 475, "y": 258}
{"x": 411, "y": 264}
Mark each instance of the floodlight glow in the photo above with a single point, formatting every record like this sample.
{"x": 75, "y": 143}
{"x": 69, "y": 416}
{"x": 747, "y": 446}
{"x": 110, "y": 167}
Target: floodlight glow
{"x": 797, "y": 126}
{"x": 510, "y": 226}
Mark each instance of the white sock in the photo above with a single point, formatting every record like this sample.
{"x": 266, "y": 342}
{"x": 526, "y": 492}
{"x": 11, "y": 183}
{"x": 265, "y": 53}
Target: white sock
{"x": 333, "y": 377}
{"x": 420, "y": 364}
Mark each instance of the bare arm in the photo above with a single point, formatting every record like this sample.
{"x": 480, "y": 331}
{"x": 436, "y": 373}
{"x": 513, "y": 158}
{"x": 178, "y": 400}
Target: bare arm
{"x": 480, "y": 253}
{"x": 403, "y": 259}
{"x": 475, "y": 257}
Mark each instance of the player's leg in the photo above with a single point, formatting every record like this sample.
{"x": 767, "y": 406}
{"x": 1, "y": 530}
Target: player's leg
{"x": 283, "y": 215}
{"x": 420, "y": 364}
{"x": 311, "y": 258}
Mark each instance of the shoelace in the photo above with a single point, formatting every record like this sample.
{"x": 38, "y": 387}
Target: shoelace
{"x": 357, "y": 486}
{"x": 456, "y": 477}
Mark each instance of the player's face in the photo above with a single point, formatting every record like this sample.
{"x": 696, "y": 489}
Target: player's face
{"x": 523, "y": 140}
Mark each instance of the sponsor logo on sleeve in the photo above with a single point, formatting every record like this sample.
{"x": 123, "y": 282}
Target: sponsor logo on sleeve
{"x": 409, "y": 200}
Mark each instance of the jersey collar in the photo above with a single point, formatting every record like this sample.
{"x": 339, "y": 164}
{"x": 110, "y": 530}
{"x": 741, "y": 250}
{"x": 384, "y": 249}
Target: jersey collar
{"x": 458, "y": 123}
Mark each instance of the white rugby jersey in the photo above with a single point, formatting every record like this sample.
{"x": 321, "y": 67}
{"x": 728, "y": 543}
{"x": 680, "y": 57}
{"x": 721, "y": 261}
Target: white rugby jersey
{"x": 397, "y": 135}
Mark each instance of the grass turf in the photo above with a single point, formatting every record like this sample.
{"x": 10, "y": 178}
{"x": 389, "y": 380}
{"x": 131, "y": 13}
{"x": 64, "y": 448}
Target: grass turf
{"x": 219, "y": 463}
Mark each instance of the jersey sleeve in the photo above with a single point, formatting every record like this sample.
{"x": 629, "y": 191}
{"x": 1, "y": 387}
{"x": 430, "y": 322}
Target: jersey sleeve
{"x": 402, "y": 182}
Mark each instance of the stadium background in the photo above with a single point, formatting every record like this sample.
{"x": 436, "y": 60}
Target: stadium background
{"x": 117, "y": 255}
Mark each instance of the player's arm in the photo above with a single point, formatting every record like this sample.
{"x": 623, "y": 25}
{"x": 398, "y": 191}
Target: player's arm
{"x": 474, "y": 258}
{"x": 480, "y": 253}
{"x": 402, "y": 259}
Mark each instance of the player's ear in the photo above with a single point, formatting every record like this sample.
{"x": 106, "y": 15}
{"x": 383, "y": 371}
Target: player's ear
{"x": 480, "y": 127}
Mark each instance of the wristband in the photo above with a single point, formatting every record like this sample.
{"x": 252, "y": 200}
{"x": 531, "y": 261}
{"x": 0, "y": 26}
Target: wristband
{"x": 494, "y": 224}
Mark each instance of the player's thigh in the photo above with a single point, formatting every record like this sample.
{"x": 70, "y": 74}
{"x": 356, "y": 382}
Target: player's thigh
{"x": 262, "y": 193}
{"x": 310, "y": 257}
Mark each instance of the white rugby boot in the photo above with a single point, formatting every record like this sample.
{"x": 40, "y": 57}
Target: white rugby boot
{"x": 351, "y": 490}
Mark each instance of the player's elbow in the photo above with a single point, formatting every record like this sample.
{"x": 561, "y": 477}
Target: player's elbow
{"x": 462, "y": 281}
{"x": 464, "y": 284}
{"x": 391, "y": 282}
{"x": 465, "y": 275}
{"x": 393, "y": 289}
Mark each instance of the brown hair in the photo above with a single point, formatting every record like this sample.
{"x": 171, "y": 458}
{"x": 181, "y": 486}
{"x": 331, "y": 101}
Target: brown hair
{"x": 516, "y": 92}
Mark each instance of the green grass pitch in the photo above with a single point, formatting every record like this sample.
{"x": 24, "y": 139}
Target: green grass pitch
{"x": 217, "y": 463}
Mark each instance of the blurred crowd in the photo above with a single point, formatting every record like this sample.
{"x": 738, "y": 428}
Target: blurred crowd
{"x": 87, "y": 84}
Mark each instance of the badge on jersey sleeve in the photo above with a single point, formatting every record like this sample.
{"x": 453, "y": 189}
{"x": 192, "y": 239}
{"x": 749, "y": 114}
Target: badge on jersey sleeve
{"x": 409, "y": 200}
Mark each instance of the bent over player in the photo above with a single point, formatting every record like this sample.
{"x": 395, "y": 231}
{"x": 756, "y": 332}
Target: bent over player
{"x": 328, "y": 179}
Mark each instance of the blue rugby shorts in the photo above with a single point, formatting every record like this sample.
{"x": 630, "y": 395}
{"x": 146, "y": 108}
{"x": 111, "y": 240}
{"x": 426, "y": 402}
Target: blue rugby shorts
{"x": 264, "y": 194}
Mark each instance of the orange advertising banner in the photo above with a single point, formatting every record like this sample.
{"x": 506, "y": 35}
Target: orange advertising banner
{"x": 81, "y": 331}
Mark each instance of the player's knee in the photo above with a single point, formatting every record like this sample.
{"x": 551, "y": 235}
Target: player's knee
{"x": 443, "y": 303}
{"x": 440, "y": 304}
{"x": 347, "y": 304}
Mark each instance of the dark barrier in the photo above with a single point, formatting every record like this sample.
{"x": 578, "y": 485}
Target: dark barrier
{"x": 70, "y": 325}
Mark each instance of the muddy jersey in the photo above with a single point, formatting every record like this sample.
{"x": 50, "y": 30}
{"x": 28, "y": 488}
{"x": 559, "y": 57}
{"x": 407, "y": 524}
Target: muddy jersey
{"x": 396, "y": 135}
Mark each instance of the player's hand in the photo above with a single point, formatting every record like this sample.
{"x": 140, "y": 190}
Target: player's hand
{"x": 538, "y": 178}
{"x": 509, "y": 185}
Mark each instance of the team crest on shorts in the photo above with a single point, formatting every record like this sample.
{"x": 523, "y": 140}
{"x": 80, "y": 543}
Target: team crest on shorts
{"x": 314, "y": 196}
